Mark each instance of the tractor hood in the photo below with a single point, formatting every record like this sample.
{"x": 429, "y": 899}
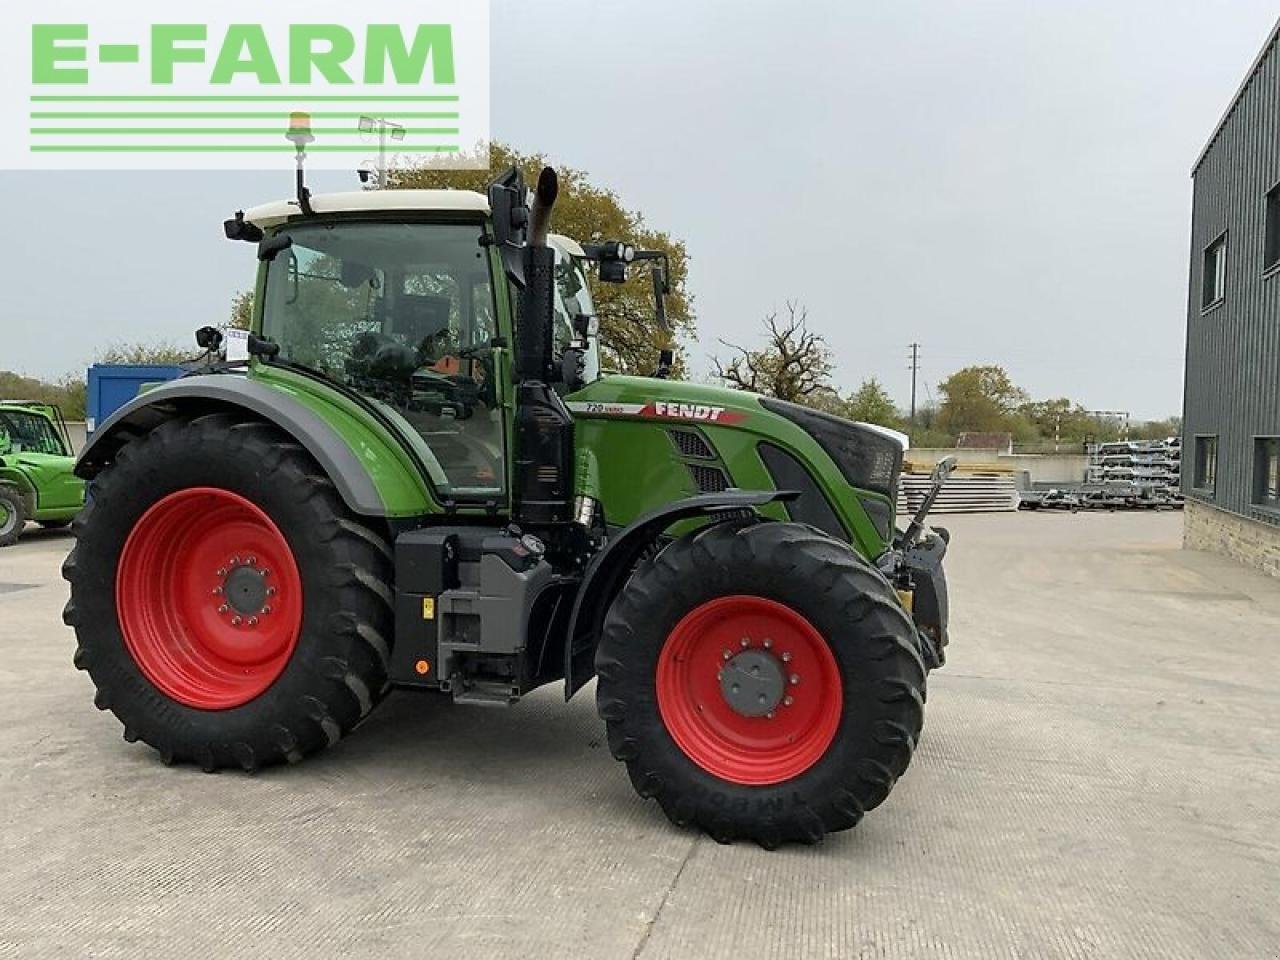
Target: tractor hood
{"x": 644, "y": 441}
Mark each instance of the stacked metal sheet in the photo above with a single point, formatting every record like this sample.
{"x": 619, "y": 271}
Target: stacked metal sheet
{"x": 968, "y": 490}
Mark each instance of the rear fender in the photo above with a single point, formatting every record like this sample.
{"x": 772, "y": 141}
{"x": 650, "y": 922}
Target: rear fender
{"x": 210, "y": 393}
{"x": 612, "y": 566}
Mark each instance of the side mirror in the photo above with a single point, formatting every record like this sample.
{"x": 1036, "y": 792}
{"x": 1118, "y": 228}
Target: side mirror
{"x": 943, "y": 469}
{"x": 238, "y": 228}
{"x": 509, "y": 206}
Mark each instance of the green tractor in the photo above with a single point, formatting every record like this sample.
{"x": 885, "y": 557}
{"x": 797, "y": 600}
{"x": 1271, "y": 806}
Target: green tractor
{"x": 418, "y": 478}
{"x": 37, "y": 469}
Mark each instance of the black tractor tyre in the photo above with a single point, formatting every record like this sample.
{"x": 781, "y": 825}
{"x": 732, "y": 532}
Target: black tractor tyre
{"x": 14, "y": 514}
{"x": 335, "y": 672}
{"x": 54, "y": 524}
{"x": 853, "y": 611}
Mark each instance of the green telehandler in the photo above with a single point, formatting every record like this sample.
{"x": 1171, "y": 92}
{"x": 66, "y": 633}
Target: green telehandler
{"x": 37, "y": 469}
{"x": 416, "y": 476}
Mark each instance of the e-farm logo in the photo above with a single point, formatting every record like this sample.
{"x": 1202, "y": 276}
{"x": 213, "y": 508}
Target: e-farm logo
{"x": 148, "y": 85}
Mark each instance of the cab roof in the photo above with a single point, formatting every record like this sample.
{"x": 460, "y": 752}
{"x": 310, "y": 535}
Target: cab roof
{"x": 372, "y": 201}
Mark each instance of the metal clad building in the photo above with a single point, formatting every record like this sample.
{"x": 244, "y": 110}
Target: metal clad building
{"x": 1231, "y": 433}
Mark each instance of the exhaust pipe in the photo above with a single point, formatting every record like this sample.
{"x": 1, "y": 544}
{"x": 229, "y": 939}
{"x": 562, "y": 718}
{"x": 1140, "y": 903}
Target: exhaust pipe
{"x": 544, "y": 426}
{"x": 544, "y": 199}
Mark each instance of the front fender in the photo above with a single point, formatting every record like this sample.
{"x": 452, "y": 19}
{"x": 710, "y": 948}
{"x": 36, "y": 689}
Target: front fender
{"x": 611, "y": 567}
{"x": 208, "y": 393}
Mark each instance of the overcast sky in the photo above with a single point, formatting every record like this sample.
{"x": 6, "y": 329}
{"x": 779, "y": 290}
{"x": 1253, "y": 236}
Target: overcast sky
{"x": 1004, "y": 182}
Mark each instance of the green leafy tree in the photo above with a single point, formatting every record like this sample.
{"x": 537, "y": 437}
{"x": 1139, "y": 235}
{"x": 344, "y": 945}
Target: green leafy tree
{"x": 162, "y": 352}
{"x": 794, "y": 364}
{"x": 241, "y": 310}
{"x": 630, "y": 336}
{"x": 979, "y": 399}
{"x": 67, "y": 393}
{"x": 871, "y": 403}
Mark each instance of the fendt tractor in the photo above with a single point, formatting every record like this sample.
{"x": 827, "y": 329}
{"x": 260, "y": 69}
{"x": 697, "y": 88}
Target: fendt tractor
{"x": 418, "y": 477}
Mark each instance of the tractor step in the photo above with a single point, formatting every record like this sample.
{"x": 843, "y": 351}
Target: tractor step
{"x": 486, "y": 694}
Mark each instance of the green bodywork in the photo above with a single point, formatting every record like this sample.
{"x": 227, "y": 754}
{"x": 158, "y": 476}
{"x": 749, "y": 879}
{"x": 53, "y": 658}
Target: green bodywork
{"x": 628, "y": 462}
{"x": 40, "y": 471}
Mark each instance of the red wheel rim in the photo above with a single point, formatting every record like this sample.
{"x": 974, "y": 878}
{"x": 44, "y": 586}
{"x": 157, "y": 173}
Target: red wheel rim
{"x": 209, "y": 598}
{"x": 751, "y": 750}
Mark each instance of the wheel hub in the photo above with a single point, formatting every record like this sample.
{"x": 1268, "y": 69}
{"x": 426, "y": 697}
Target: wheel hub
{"x": 245, "y": 589}
{"x": 753, "y": 683}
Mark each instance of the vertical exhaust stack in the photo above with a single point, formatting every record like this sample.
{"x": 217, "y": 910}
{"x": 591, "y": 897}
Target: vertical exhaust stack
{"x": 544, "y": 426}
{"x": 537, "y": 299}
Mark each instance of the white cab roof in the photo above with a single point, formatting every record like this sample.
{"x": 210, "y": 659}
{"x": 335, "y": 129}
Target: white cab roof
{"x": 372, "y": 201}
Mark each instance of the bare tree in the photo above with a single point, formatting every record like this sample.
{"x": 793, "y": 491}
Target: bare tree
{"x": 795, "y": 365}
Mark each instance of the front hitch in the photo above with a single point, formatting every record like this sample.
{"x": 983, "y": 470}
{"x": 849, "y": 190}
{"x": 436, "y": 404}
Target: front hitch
{"x": 941, "y": 471}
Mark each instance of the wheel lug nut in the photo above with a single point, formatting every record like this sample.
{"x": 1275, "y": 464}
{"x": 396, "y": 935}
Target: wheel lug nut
{"x": 770, "y": 715}
{"x": 222, "y": 571}
{"x": 265, "y": 611}
{"x": 786, "y": 658}
{"x": 744, "y": 642}
{"x": 253, "y": 621}
{"x": 223, "y": 608}
{"x": 252, "y": 561}
{"x": 271, "y": 591}
{"x": 235, "y": 621}
{"x": 266, "y": 572}
{"x": 726, "y": 654}
{"x": 795, "y": 678}
{"x": 217, "y": 591}
{"x": 788, "y": 701}
{"x": 767, "y": 643}
{"x": 234, "y": 561}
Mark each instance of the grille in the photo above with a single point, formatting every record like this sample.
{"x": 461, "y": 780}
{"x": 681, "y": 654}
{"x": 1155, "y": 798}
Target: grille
{"x": 691, "y": 444}
{"x": 708, "y": 479}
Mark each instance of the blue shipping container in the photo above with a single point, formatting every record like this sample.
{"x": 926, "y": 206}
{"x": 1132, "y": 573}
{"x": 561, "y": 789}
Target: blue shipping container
{"x": 112, "y": 385}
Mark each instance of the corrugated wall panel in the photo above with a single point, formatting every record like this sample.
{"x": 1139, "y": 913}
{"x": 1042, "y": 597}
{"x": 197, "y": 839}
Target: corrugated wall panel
{"x": 1233, "y": 350}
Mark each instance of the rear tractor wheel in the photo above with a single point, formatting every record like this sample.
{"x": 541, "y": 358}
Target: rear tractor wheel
{"x": 227, "y": 606}
{"x": 761, "y": 681}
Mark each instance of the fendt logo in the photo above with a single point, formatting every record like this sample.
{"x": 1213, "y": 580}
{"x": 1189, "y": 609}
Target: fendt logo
{"x": 659, "y": 410}
{"x": 143, "y": 86}
{"x": 693, "y": 411}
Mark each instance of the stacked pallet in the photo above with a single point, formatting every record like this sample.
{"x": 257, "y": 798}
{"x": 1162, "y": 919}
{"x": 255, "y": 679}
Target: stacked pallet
{"x": 971, "y": 489}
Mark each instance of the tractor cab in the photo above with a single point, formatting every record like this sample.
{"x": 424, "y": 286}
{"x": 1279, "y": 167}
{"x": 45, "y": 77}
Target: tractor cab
{"x": 401, "y": 297}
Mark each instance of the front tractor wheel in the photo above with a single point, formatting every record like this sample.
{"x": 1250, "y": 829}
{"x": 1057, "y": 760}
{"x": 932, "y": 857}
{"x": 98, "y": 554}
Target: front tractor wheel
{"x": 227, "y": 606}
{"x": 761, "y": 681}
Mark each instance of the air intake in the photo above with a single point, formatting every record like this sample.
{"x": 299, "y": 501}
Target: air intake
{"x": 691, "y": 444}
{"x": 708, "y": 479}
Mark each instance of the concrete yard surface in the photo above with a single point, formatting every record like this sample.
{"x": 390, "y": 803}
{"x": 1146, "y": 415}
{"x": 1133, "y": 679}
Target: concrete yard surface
{"x": 1099, "y": 777}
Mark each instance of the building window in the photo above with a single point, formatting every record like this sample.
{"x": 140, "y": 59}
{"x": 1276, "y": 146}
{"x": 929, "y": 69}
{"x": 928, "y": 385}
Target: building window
{"x": 1266, "y": 472}
{"x": 1214, "y": 279}
{"x": 1206, "y": 471}
{"x": 1271, "y": 248}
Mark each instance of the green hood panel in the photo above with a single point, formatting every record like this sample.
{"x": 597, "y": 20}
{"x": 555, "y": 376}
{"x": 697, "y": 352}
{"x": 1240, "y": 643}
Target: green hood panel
{"x": 625, "y": 425}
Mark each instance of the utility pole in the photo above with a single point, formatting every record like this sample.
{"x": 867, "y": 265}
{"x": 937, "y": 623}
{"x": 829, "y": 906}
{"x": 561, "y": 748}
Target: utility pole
{"x": 915, "y": 368}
